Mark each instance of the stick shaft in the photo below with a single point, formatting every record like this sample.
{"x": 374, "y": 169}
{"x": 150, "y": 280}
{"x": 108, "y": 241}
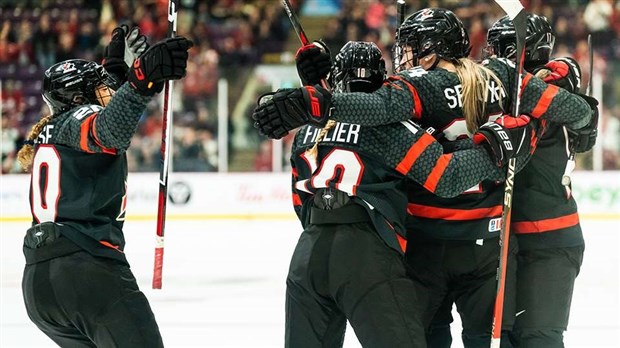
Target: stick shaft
{"x": 165, "y": 160}
{"x": 517, "y": 13}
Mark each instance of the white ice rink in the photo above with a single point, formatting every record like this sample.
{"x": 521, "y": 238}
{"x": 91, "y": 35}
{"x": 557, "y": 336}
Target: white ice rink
{"x": 224, "y": 284}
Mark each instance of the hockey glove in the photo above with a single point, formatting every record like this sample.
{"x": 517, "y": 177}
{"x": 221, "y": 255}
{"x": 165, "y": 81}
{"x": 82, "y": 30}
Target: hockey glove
{"x": 286, "y": 109}
{"x": 125, "y": 46}
{"x": 313, "y": 63}
{"x": 564, "y": 73}
{"x": 506, "y": 138}
{"x": 113, "y": 61}
{"x": 583, "y": 139}
{"x": 166, "y": 60}
{"x": 135, "y": 45}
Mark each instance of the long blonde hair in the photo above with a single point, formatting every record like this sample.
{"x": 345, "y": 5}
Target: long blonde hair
{"x": 475, "y": 80}
{"x": 313, "y": 151}
{"x": 26, "y": 154}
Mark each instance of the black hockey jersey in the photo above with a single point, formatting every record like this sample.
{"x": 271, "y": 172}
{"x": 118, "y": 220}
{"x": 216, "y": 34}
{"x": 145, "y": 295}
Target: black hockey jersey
{"x": 370, "y": 164}
{"x": 433, "y": 98}
{"x": 541, "y": 204}
{"x": 79, "y": 172}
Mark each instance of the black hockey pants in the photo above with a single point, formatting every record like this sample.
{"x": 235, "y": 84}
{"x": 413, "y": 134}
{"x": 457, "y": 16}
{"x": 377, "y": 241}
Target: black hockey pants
{"x": 462, "y": 272}
{"x": 79, "y": 300}
{"x": 343, "y": 272}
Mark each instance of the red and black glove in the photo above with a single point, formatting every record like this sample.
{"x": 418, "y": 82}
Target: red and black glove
{"x": 279, "y": 112}
{"x": 166, "y": 60}
{"x": 313, "y": 63}
{"x": 506, "y": 138}
{"x": 564, "y": 73}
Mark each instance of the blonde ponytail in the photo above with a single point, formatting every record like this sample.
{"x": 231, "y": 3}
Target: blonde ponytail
{"x": 315, "y": 149}
{"x": 475, "y": 81}
{"x": 26, "y": 153}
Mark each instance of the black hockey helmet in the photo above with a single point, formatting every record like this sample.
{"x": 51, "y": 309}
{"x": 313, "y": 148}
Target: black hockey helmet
{"x": 539, "y": 40}
{"x": 358, "y": 67}
{"x": 432, "y": 30}
{"x": 75, "y": 82}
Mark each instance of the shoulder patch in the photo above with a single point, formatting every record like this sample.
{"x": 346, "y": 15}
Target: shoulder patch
{"x": 85, "y": 110}
{"x": 416, "y": 71}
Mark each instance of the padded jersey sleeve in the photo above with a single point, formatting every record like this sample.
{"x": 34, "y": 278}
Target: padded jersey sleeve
{"x": 93, "y": 129}
{"x": 418, "y": 156}
{"x": 544, "y": 101}
{"x": 397, "y": 100}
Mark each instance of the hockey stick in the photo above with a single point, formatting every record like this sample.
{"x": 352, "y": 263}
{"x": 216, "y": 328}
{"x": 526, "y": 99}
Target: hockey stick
{"x": 401, "y": 8}
{"x": 165, "y": 159}
{"x": 299, "y": 30}
{"x": 516, "y": 12}
{"x": 570, "y": 164}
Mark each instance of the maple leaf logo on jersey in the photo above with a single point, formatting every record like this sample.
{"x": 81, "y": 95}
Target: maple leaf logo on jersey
{"x": 121, "y": 214}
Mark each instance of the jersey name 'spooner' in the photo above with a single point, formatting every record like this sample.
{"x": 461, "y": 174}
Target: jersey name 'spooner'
{"x": 90, "y": 208}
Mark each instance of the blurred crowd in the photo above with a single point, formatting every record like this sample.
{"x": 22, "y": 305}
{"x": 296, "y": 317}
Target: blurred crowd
{"x": 233, "y": 36}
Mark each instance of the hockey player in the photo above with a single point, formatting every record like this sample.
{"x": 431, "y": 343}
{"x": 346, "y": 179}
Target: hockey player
{"x": 544, "y": 212}
{"x": 443, "y": 85}
{"x": 77, "y": 285}
{"x": 348, "y": 191}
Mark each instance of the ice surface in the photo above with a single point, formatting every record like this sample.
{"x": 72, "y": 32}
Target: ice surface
{"x": 224, "y": 284}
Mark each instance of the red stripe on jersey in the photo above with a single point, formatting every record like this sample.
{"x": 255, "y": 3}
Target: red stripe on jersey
{"x": 96, "y": 138}
{"x": 414, "y": 152}
{"x": 85, "y": 132}
{"x": 545, "y": 100}
{"x": 437, "y": 172}
{"x": 111, "y": 246}
{"x": 402, "y": 242}
{"x": 296, "y": 199}
{"x": 524, "y": 83}
{"x": 525, "y": 227}
{"x": 417, "y": 103}
{"x": 429, "y": 212}
{"x": 294, "y": 172}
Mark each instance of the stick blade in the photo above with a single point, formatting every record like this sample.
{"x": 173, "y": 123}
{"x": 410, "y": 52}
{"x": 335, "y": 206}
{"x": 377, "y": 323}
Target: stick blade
{"x": 511, "y": 7}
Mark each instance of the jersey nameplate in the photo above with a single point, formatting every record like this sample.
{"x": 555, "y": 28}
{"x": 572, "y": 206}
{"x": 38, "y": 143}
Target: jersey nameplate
{"x": 86, "y": 111}
{"x": 340, "y": 133}
{"x": 45, "y": 135}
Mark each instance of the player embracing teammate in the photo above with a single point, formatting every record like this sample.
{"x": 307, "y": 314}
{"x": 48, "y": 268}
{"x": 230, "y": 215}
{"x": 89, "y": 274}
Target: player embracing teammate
{"x": 445, "y": 88}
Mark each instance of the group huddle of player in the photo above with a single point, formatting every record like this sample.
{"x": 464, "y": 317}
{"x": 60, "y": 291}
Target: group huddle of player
{"x": 398, "y": 183}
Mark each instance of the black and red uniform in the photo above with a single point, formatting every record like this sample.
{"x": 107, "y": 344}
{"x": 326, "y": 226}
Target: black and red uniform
{"x": 351, "y": 201}
{"x": 468, "y": 225}
{"x": 78, "y": 287}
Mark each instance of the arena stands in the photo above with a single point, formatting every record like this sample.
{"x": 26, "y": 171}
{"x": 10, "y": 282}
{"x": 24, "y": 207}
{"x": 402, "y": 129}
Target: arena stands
{"x": 233, "y": 37}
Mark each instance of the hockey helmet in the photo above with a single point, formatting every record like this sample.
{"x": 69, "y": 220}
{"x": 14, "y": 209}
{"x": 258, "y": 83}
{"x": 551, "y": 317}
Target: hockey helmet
{"x": 539, "y": 40}
{"x": 76, "y": 82}
{"x": 432, "y": 30}
{"x": 358, "y": 67}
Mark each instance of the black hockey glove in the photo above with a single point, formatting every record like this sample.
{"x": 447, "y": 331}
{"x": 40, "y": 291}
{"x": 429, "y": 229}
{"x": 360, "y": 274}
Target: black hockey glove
{"x": 506, "y": 138}
{"x": 564, "y": 73}
{"x": 125, "y": 46}
{"x": 288, "y": 108}
{"x": 313, "y": 63}
{"x": 166, "y": 60}
{"x": 583, "y": 140}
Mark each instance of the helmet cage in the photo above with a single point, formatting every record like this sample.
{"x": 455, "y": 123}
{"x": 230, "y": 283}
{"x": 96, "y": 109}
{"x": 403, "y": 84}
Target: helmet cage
{"x": 74, "y": 82}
